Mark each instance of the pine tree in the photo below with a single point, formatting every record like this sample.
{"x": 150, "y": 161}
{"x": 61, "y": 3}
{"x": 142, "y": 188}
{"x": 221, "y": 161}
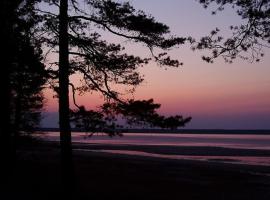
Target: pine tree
{"x": 76, "y": 33}
{"x": 248, "y": 39}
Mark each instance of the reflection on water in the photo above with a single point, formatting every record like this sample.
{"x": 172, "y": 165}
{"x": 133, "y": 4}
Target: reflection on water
{"x": 210, "y": 140}
{"x": 259, "y": 142}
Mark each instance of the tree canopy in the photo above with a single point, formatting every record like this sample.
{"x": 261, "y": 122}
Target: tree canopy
{"x": 248, "y": 39}
{"x": 103, "y": 65}
{"x": 23, "y": 68}
{"x": 28, "y": 74}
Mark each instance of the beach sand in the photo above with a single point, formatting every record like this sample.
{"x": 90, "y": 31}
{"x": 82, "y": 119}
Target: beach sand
{"x": 98, "y": 175}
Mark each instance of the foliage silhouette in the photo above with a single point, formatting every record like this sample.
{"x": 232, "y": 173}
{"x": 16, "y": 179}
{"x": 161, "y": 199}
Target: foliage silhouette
{"x": 98, "y": 62}
{"x": 248, "y": 40}
{"x": 7, "y": 152}
{"x": 93, "y": 122}
{"x": 21, "y": 79}
{"x": 27, "y": 74}
{"x": 76, "y": 33}
{"x": 28, "y": 77}
{"x": 143, "y": 112}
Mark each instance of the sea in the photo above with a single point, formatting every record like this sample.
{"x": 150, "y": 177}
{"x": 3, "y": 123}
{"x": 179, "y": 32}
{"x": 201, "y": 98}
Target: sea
{"x": 251, "y": 149}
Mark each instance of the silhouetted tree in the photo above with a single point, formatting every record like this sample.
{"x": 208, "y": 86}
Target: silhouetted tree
{"x": 76, "y": 33}
{"x": 20, "y": 78}
{"x": 143, "y": 113}
{"x": 173, "y": 122}
{"x": 27, "y": 73}
{"x": 248, "y": 39}
{"x": 27, "y": 81}
{"x": 7, "y": 20}
{"x": 93, "y": 122}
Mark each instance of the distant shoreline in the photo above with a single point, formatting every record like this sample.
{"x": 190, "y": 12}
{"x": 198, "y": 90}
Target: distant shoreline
{"x": 179, "y": 131}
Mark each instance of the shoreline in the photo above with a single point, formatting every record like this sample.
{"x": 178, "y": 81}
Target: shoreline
{"x": 211, "y": 154}
{"x": 174, "y": 149}
{"x": 105, "y": 175}
{"x": 178, "y": 131}
{"x": 208, "y": 151}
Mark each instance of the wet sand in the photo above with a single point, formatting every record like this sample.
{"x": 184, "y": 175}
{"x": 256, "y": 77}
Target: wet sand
{"x": 114, "y": 176}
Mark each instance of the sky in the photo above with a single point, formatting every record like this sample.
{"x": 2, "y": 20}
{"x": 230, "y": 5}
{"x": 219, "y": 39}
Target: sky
{"x": 216, "y": 96}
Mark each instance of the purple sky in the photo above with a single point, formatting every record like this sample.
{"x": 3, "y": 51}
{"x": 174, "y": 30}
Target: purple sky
{"x": 219, "y": 95}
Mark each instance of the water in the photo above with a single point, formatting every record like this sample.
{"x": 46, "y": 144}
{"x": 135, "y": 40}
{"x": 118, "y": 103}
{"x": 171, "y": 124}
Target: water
{"x": 212, "y": 140}
{"x": 156, "y": 140}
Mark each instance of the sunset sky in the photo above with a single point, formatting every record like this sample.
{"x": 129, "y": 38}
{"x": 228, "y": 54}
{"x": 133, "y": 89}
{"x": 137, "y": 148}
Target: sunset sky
{"x": 218, "y": 95}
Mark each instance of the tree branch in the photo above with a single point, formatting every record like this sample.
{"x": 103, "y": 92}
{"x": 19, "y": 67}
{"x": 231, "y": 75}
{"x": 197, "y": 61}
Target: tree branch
{"x": 73, "y": 95}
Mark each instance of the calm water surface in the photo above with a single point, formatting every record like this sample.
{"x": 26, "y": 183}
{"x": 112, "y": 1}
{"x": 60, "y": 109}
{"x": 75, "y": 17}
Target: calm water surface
{"x": 259, "y": 142}
{"x": 212, "y": 140}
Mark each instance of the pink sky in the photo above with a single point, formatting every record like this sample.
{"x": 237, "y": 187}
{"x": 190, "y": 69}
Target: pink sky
{"x": 218, "y": 91}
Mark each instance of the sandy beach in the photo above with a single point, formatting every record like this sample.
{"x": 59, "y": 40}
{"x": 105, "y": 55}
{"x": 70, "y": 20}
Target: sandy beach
{"x": 102, "y": 175}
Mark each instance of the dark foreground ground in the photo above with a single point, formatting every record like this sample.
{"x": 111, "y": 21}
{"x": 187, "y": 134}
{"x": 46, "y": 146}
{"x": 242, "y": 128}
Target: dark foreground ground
{"x": 107, "y": 176}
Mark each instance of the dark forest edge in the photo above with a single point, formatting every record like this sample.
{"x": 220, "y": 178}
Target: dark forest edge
{"x": 180, "y": 131}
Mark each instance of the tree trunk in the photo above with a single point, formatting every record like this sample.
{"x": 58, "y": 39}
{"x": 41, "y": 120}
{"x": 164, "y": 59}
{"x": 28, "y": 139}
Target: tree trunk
{"x": 64, "y": 121}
